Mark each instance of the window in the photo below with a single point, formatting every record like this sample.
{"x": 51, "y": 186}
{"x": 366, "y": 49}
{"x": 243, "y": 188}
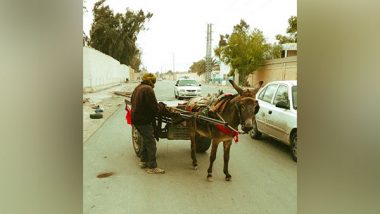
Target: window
{"x": 269, "y": 92}
{"x": 261, "y": 95}
{"x": 281, "y": 95}
{"x": 294, "y": 95}
{"x": 188, "y": 83}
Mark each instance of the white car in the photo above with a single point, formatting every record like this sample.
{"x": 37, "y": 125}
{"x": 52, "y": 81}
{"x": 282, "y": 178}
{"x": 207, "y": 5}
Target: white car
{"x": 187, "y": 88}
{"x": 277, "y": 116}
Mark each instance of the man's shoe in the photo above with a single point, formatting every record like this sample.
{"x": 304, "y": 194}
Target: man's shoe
{"x": 143, "y": 165}
{"x": 155, "y": 171}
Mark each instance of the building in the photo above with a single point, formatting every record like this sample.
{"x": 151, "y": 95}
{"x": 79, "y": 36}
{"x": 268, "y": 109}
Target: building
{"x": 289, "y": 49}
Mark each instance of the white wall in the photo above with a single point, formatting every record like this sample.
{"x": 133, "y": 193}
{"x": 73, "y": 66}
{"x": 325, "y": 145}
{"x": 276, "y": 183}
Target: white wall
{"x": 101, "y": 70}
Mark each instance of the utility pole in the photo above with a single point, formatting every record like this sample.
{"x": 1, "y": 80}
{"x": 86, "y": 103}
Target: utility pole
{"x": 174, "y": 74}
{"x": 208, "y": 54}
{"x": 173, "y": 62}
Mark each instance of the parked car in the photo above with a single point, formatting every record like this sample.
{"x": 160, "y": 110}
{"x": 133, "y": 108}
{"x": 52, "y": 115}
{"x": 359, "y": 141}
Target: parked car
{"x": 187, "y": 88}
{"x": 277, "y": 116}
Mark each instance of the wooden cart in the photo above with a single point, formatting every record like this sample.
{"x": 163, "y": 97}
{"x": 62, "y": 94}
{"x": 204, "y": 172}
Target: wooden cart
{"x": 166, "y": 129}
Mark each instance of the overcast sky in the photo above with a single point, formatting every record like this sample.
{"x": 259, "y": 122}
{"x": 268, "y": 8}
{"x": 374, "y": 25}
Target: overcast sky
{"x": 178, "y": 27}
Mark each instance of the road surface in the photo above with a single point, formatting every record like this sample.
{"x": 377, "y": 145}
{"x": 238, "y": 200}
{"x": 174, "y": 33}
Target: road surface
{"x": 264, "y": 177}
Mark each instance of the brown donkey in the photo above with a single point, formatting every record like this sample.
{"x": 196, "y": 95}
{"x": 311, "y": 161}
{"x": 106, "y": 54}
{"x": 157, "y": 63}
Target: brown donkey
{"x": 240, "y": 109}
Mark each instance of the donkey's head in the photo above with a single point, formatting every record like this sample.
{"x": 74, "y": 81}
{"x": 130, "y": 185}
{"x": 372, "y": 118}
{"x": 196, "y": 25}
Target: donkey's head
{"x": 246, "y": 105}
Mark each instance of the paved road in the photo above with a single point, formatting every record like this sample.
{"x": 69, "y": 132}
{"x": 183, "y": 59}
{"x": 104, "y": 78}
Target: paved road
{"x": 264, "y": 177}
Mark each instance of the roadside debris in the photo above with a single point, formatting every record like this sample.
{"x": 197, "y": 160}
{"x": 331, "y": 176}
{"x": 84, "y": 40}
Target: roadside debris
{"x": 105, "y": 174}
{"x": 86, "y": 100}
{"x": 98, "y": 110}
{"x": 95, "y": 106}
{"x": 123, "y": 93}
{"x": 96, "y": 116}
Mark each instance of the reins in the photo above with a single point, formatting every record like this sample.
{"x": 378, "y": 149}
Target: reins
{"x": 238, "y": 112}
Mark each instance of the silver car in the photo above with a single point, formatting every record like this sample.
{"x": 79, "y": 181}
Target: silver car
{"x": 185, "y": 88}
{"x": 277, "y": 116}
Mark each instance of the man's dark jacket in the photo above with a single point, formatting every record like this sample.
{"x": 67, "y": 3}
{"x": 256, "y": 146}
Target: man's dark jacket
{"x": 144, "y": 105}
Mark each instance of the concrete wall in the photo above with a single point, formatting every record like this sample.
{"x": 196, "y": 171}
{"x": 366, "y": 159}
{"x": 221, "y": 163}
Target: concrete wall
{"x": 275, "y": 69}
{"x": 102, "y": 71}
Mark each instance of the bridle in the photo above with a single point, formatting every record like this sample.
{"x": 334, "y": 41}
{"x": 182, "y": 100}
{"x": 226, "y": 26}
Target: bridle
{"x": 237, "y": 106}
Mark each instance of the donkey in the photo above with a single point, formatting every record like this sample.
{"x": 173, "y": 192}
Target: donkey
{"x": 239, "y": 109}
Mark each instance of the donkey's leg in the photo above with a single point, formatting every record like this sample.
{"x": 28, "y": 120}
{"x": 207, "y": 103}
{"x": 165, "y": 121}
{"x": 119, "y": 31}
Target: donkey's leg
{"x": 227, "y": 146}
{"x": 193, "y": 148}
{"x": 214, "y": 148}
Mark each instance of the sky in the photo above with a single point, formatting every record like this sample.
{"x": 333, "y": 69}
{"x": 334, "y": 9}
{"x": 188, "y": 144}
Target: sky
{"x": 176, "y": 34}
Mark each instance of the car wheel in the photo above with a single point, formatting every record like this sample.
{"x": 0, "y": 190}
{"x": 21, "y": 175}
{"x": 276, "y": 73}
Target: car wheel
{"x": 254, "y": 133}
{"x": 293, "y": 145}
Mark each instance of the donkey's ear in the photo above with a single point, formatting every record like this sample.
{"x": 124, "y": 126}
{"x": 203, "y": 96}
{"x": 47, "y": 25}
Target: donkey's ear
{"x": 260, "y": 83}
{"x": 236, "y": 87}
{"x": 256, "y": 89}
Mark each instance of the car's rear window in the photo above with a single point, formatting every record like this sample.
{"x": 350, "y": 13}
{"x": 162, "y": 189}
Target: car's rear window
{"x": 269, "y": 92}
{"x": 281, "y": 95}
{"x": 187, "y": 83}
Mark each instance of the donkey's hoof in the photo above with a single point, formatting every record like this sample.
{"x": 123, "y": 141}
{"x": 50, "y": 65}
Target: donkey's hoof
{"x": 209, "y": 178}
{"x": 228, "y": 178}
{"x": 195, "y": 167}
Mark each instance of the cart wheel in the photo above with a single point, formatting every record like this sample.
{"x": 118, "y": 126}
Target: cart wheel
{"x": 202, "y": 143}
{"x": 136, "y": 141}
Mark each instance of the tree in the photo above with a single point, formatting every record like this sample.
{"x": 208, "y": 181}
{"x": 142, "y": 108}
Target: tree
{"x": 136, "y": 62}
{"x": 85, "y": 39}
{"x": 291, "y": 30}
{"x": 84, "y": 7}
{"x": 243, "y": 50}
{"x": 116, "y": 34}
{"x": 199, "y": 67}
{"x": 274, "y": 51}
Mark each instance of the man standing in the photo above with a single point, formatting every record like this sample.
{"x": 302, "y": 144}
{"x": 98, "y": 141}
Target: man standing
{"x": 144, "y": 110}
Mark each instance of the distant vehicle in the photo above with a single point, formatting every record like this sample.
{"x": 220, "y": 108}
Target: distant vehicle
{"x": 277, "y": 116}
{"x": 159, "y": 79}
{"x": 186, "y": 87}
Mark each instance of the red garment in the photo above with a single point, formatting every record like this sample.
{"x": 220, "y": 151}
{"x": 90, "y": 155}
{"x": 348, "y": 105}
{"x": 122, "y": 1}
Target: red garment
{"x": 128, "y": 117}
{"x": 228, "y": 131}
